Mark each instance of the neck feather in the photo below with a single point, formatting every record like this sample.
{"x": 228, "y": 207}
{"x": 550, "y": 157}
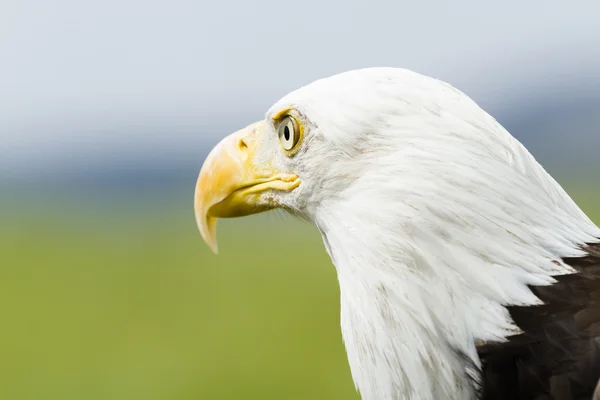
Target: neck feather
{"x": 423, "y": 282}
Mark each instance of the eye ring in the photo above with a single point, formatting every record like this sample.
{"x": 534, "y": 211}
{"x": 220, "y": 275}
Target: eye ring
{"x": 289, "y": 132}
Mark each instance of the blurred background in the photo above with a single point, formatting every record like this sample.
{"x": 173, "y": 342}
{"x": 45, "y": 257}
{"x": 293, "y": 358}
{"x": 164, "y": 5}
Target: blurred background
{"x": 107, "y": 110}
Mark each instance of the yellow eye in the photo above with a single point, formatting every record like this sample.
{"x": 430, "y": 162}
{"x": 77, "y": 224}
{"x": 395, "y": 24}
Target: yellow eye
{"x": 289, "y": 133}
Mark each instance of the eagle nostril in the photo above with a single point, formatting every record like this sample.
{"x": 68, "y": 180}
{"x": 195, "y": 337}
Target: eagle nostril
{"x": 242, "y": 145}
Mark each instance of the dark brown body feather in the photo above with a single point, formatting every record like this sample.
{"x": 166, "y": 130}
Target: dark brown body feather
{"x": 558, "y": 355}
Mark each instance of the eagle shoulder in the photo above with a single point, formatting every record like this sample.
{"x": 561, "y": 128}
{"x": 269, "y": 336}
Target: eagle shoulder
{"x": 558, "y": 354}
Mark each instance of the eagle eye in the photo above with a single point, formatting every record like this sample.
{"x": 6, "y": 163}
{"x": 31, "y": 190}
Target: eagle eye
{"x": 289, "y": 133}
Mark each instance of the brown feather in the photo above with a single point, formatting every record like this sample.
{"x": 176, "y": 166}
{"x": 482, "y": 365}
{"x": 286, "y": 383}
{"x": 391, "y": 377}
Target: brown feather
{"x": 558, "y": 355}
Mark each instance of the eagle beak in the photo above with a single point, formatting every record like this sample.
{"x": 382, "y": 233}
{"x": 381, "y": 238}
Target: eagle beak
{"x": 232, "y": 182}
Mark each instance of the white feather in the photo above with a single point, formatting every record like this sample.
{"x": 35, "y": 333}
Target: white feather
{"x": 435, "y": 217}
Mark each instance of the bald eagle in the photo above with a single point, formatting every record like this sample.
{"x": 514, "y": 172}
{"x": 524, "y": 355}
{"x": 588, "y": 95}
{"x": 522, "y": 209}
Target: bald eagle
{"x": 465, "y": 270}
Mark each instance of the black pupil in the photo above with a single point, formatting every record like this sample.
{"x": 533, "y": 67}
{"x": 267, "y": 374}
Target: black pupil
{"x": 286, "y": 133}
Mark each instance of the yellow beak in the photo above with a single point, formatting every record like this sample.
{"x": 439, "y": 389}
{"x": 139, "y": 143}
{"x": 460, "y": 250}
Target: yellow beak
{"x": 233, "y": 184}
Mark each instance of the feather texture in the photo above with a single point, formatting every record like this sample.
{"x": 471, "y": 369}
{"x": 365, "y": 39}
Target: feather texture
{"x": 558, "y": 355}
{"x": 465, "y": 270}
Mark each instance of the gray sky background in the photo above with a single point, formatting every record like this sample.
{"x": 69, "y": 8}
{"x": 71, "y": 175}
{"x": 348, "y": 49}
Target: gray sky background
{"x": 112, "y": 81}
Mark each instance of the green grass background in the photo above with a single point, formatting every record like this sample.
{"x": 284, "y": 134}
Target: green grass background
{"x": 120, "y": 299}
